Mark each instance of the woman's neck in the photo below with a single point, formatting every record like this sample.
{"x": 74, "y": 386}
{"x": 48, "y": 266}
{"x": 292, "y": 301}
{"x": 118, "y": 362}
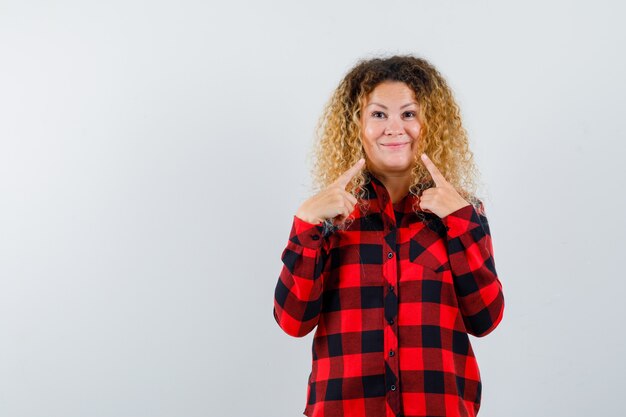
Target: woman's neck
{"x": 397, "y": 185}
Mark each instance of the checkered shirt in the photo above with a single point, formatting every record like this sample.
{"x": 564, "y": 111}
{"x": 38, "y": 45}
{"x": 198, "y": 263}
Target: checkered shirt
{"x": 393, "y": 299}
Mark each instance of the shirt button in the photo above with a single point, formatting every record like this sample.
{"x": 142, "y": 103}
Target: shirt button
{"x": 391, "y": 353}
{"x": 390, "y": 255}
{"x": 390, "y": 321}
{"x": 390, "y": 288}
{"x": 315, "y": 237}
{"x": 393, "y": 387}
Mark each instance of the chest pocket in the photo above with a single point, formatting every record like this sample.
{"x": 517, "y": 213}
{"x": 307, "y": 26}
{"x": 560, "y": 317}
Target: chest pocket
{"x": 428, "y": 244}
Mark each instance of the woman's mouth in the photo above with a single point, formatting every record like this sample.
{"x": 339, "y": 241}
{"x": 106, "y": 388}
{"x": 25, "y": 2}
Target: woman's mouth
{"x": 394, "y": 145}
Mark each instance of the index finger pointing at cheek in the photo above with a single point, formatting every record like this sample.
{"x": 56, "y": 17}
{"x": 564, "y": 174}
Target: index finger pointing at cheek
{"x": 345, "y": 178}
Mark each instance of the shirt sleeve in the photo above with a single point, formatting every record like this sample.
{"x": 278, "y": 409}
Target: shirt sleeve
{"x": 298, "y": 294}
{"x": 470, "y": 250}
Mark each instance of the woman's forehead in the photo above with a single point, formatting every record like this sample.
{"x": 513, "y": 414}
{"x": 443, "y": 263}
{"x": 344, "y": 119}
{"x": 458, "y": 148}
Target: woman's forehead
{"x": 387, "y": 91}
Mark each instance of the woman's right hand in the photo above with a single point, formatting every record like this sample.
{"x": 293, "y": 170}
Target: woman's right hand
{"x": 333, "y": 202}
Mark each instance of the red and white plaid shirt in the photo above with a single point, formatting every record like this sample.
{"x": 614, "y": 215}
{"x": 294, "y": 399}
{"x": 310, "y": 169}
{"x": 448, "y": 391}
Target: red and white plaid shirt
{"x": 394, "y": 299}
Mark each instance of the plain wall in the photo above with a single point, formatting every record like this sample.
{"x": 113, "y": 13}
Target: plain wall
{"x": 153, "y": 153}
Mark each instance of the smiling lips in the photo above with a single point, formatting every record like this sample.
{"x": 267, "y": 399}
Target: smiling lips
{"x": 395, "y": 145}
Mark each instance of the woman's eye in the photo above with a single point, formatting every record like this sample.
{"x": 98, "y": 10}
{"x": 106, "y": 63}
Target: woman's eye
{"x": 378, "y": 114}
{"x": 409, "y": 114}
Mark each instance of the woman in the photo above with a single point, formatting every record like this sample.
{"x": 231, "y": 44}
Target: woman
{"x": 392, "y": 259}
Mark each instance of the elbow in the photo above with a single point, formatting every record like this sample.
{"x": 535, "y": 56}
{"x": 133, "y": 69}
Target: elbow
{"x": 291, "y": 326}
{"x": 486, "y": 321}
{"x": 299, "y": 333}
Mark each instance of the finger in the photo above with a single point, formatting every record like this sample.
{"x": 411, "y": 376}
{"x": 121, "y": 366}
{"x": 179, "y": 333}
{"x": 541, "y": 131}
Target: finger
{"x": 424, "y": 204}
{"x": 339, "y": 206}
{"x": 350, "y": 197}
{"x": 349, "y": 207}
{"x": 342, "y": 212}
{"x": 434, "y": 171}
{"x": 425, "y": 201}
{"x": 428, "y": 192}
{"x": 345, "y": 178}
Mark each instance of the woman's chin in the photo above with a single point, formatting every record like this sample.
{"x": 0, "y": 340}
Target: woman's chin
{"x": 398, "y": 164}
{"x": 394, "y": 168}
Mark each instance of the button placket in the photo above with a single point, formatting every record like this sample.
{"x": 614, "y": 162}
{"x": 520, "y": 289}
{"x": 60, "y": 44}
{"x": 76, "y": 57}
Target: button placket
{"x": 390, "y": 253}
{"x": 391, "y": 314}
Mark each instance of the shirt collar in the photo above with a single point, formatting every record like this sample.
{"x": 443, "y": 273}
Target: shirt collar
{"x": 375, "y": 188}
{"x": 377, "y": 191}
{"x": 378, "y": 194}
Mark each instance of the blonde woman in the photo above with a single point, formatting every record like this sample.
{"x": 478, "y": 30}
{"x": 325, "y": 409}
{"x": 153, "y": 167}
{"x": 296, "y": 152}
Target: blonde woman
{"x": 392, "y": 259}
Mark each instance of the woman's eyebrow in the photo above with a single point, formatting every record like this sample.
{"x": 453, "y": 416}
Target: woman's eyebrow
{"x": 385, "y": 107}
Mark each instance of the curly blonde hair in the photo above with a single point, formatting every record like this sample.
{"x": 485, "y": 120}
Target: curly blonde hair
{"x": 442, "y": 135}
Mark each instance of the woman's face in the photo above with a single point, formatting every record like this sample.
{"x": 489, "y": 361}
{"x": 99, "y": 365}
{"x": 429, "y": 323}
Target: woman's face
{"x": 390, "y": 128}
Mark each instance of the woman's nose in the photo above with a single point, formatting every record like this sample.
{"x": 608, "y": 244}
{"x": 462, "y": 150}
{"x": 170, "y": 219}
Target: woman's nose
{"x": 394, "y": 127}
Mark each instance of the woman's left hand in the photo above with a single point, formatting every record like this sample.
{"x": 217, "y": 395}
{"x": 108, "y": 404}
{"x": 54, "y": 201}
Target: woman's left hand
{"x": 442, "y": 199}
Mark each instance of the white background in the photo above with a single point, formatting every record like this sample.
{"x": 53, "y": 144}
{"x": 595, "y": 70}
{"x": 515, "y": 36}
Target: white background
{"x": 153, "y": 153}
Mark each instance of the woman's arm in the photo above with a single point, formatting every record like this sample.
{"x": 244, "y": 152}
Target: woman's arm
{"x": 298, "y": 294}
{"x": 476, "y": 282}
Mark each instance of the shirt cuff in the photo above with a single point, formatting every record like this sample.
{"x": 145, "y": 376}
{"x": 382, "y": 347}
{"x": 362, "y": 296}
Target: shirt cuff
{"x": 307, "y": 234}
{"x": 461, "y": 221}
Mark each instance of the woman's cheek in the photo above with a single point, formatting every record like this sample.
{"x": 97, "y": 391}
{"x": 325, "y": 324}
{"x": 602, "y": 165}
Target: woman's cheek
{"x": 371, "y": 131}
